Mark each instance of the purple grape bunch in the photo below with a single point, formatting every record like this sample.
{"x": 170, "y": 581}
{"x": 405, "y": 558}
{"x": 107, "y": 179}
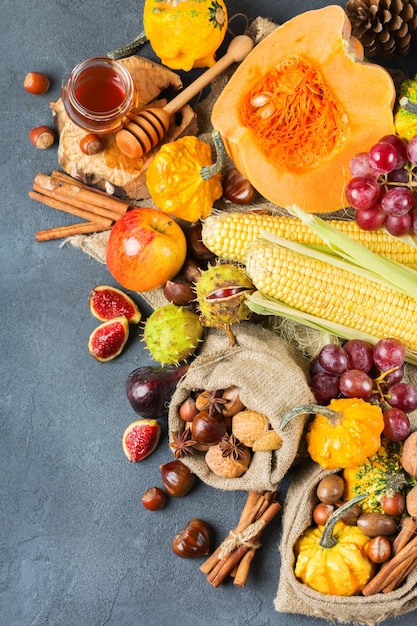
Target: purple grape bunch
{"x": 384, "y": 184}
{"x": 373, "y": 373}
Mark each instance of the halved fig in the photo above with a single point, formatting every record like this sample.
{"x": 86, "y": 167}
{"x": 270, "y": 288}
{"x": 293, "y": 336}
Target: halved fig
{"x": 140, "y": 439}
{"x": 107, "y": 302}
{"x": 108, "y": 340}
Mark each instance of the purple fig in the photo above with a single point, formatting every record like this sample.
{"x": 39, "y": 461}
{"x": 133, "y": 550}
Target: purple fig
{"x": 149, "y": 389}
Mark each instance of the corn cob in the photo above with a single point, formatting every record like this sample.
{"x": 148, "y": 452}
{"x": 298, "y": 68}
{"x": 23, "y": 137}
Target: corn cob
{"x": 227, "y": 235}
{"x": 318, "y": 288}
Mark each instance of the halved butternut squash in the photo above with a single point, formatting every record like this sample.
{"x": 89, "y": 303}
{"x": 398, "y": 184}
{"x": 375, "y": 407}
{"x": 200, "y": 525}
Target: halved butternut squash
{"x": 300, "y": 106}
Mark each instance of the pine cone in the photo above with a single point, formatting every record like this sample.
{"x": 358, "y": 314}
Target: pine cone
{"x": 384, "y": 27}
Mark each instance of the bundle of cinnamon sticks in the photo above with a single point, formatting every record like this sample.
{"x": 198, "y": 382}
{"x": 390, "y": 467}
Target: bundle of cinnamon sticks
{"x": 233, "y": 557}
{"x": 403, "y": 560}
{"x": 98, "y": 209}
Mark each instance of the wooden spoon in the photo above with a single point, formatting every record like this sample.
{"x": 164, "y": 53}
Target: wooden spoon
{"x": 146, "y": 129}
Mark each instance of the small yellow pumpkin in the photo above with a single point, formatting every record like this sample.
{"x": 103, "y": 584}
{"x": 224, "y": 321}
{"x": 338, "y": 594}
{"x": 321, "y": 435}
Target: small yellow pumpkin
{"x": 406, "y": 113}
{"x": 333, "y": 559}
{"x": 344, "y": 433}
{"x": 183, "y": 180}
{"x": 185, "y": 33}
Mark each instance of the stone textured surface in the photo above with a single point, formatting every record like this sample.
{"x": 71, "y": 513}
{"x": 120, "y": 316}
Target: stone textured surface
{"x": 77, "y": 547}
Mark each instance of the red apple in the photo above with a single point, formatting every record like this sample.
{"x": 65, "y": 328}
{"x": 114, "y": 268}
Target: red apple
{"x": 146, "y": 247}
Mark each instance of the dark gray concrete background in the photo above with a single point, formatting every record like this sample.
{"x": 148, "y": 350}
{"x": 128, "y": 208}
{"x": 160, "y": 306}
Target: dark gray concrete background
{"x": 77, "y": 547}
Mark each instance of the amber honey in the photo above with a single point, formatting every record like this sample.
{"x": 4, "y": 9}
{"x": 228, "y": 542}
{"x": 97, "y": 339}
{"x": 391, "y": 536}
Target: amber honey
{"x": 99, "y": 95}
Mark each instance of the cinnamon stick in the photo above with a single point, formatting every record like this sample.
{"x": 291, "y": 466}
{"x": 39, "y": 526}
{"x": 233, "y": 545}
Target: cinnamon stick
{"x": 248, "y": 515}
{"x": 228, "y": 563}
{"x": 83, "y": 193}
{"x": 401, "y": 576}
{"x": 242, "y": 571}
{"x": 407, "y": 531}
{"x": 55, "y": 203}
{"x": 60, "y": 232}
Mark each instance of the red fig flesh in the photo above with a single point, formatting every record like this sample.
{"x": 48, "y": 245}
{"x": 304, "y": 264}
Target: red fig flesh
{"x": 107, "y": 302}
{"x": 108, "y": 340}
{"x": 140, "y": 439}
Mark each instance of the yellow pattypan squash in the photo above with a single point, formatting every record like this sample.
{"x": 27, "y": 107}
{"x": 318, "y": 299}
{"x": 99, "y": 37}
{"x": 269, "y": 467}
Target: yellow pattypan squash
{"x": 344, "y": 433}
{"x": 182, "y": 179}
{"x": 185, "y": 33}
{"x": 333, "y": 559}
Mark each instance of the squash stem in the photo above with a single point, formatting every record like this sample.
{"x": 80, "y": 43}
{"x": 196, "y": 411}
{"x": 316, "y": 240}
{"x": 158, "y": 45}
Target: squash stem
{"x": 130, "y": 48}
{"x": 208, "y": 171}
{"x": 327, "y": 539}
{"x": 316, "y": 409}
{"x": 409, "y": 106}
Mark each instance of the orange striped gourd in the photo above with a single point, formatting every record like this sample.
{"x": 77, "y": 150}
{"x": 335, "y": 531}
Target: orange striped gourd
{"x": 228, "y": 234}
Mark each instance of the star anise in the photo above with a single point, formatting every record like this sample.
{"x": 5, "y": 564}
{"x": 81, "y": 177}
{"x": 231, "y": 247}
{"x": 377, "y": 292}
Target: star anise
{"x": 231, "y": 447}
{"x": 182, "y": 443}
{"x": 210, "y": 401}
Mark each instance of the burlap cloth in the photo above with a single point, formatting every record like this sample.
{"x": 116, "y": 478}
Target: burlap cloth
{"x": 295, "y": 597}
{"x": 272, "y": 380}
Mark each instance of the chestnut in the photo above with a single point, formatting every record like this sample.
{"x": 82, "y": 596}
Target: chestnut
{"x": 195, "y": 243}
{"x": 207, "y": 429}
{"x": 177, "y": 478}
{"x": 193, "y": 540}
{"x": 154, "y": 499}
{"x": 237, "y": 188}
{"x": 179, "y": 293}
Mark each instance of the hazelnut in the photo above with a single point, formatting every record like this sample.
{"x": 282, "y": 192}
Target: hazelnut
{"x": 36, "y": 83}
{"x": 91, "y": 144}
{"x": 42, "y": 137}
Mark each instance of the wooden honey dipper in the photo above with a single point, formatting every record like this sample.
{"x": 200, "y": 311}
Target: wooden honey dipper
{"x": 146, "y": 129}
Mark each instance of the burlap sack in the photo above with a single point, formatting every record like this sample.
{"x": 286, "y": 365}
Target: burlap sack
{"x": 295, "y": 597}
{"x": 272, "y": 380}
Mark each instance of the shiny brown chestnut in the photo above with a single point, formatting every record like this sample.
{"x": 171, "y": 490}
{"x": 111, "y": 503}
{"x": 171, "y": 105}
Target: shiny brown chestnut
{"x": 207, "y": 429}
{"x": 191, "y": 270}
{"x": 154, "y": 499}
{"x": 177, "y": 478}
{"x": 237, "y": 188}
{"x": 195, "y": 243}
{"x": 179, "y": 293}
{"x": 193, "y": 540}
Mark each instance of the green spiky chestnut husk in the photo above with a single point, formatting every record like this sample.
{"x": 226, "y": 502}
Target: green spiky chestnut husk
{"x": 221, "y": 294}
{"x": 172, "y": 334}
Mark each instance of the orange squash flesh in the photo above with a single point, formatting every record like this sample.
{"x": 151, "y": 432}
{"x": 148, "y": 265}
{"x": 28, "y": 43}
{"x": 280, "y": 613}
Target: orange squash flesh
{"x": 300, "y": 106}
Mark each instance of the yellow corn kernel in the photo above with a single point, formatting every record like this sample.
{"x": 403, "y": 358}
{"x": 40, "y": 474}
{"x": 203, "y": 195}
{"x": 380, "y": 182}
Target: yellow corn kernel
{"x": 331, "y": 293}
{"x": 227, "y": 235}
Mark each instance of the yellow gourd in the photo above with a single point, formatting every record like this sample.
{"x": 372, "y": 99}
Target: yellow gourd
{"x": 185, "y": 33}
{"x": 183, "y": 180}
{"x": 344, "y": 433}
{"x": 333, "y": 559}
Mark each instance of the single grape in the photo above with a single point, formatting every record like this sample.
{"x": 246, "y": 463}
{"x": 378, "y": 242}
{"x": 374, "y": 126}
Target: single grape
{"x": 403, "y": 396}
{"x": 388, "y": 353}
{"x": 397, "y": 425}
{"x": 412, "y": 150}
{"x": 398, "y": 225}
{"x": 315, "y": 367}
{"x": 333, "y": 358}
{"x": 383, "y": 157}
{"x": 400, "y": 148}
{"x": 362, "y": 192}
{"x": 398, "y": 176}
{"x": 356, "y": 384}
{"x": 397, "y": 201}
{"x": 370, "y": 219}
{"x": 325, "y": 387}
{"x": 360, "y": 354}
{"x": 360, "y": 166}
